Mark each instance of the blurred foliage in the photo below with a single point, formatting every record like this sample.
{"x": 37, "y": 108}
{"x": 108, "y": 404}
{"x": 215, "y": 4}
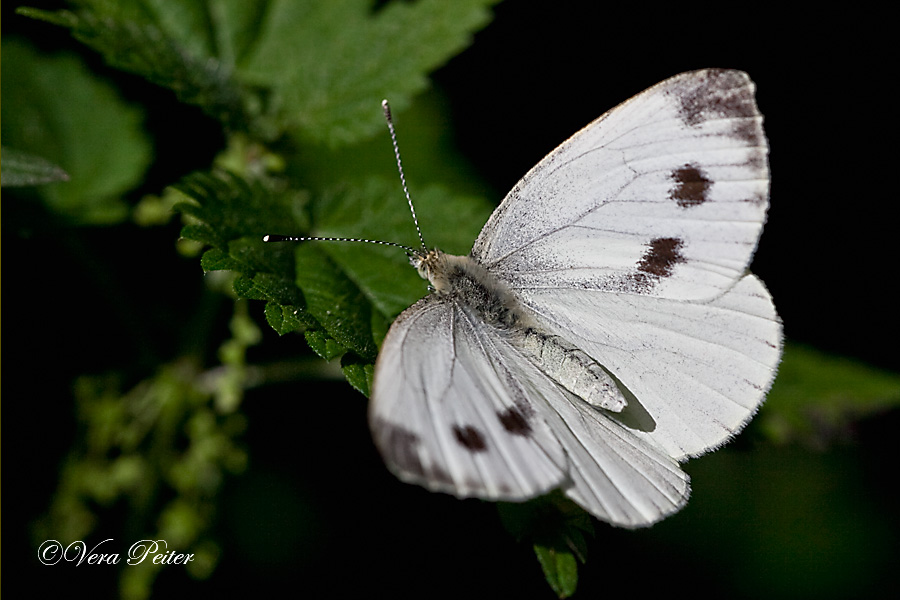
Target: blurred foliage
{"x": 63, "y": 129}
{"x": 285, "y": 80}
{"x": 172, "y": 435}
{"x": 295, "y": 87}
{"x": 817, "y": 397}
{"x": 308, "y": 68}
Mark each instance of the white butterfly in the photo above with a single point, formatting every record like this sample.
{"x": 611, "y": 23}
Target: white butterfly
{"x": 604, "y": 326}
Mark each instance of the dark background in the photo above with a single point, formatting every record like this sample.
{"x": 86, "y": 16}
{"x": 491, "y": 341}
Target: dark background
{"x": 318, "y": 513}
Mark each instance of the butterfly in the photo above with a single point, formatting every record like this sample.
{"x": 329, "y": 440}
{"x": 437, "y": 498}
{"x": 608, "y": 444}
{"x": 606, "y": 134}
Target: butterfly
{"x": 604, "y": 327}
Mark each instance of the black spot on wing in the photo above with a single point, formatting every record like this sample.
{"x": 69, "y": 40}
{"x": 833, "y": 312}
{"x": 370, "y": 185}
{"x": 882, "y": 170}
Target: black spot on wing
{"x": 661, "y": 257}
{"x": 657, "y": 262}
{"x": 400, "y": 446}
{"x": 470, "y": 438}
{"x": 400, "y": 449}
{"x": 691, "y": 186}
{"x": 750, "y": 131}
{"x": 515, "y": 422}
{"x": 715, "y": 94}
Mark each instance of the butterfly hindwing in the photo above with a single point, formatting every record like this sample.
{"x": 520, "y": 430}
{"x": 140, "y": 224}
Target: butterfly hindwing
{"x": 615, "y": 475}
{"x": 698, "y": 369}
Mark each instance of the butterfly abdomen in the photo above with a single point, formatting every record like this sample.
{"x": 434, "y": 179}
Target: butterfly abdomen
{"x": 571, "y": 367}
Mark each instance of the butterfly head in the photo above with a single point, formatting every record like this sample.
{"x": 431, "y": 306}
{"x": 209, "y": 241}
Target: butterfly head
{"x": 439, "y": 268}
{"x": 427, "y": 263}
{"x": 451, "y": 274}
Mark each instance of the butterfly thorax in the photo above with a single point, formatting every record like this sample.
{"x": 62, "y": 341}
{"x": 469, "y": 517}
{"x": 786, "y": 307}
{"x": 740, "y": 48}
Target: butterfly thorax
{"x": 465, "y": 281}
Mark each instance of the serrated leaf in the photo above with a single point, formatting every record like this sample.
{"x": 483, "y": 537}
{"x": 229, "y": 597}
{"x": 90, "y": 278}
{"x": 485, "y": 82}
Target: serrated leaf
{"x": 276, "y": 287}
{"x": 245, "y": 287}
{"x": 343, "y": 282}
{"x": 217, "y": 259}
{"x": 55, "y": 108}
{"x": 223, "y": 29}
{"x": 234, "y": 208}
{"x": 215, "y": 55}
{"x": 359, "y": 374}
{"x": 287, "y": 319}
{"x": 231, "y": 215}
{"x": 335, "y": 302}
{"x": 200, "y": 232}
{"x": 188, "y": 47}
{"x": 319, "y": 64}
{"x": 21, "y": 168}
{"x": 327, "y": 61}
{"x": 375, "y": 210}
{"x": 323, "y": 344}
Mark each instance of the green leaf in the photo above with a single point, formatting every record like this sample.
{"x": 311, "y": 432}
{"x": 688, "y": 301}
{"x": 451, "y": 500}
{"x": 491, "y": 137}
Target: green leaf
{"x": 329, "y": 288}
{"x": 55, "y": 108}
{"x": 252, "y": 67}
{"x": 188, "y": 47}
{"x": 215, "y": 259}
{"x": 344, "y": 282}
{"x": 323, "y": 345}
{"x": 335, "y": 302}
{"x": 231, "y": 207}
{"x": 287, "y": 319}
{"x": 817, "y": 397}
{"x": 21, "y": 168}
{"x": 560, "y": 569}
{"x": 329, "y": 63}
{"x": 375, "y": 210}
{"x": 315, "y": 69}
{"x": 232, "y": 215}
{"x": 341, "y": 295}
{"x": 358, "y": 373}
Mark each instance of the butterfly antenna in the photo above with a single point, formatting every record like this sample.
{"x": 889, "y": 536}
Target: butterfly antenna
{"x": 410, "y": 251}
{"x": 390, "y": 123}
{"x": 290, "y": 238}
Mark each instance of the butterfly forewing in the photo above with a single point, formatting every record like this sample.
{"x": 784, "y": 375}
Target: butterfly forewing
{"x": 665, "y": 195}
{"x": 450, "y": 416}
